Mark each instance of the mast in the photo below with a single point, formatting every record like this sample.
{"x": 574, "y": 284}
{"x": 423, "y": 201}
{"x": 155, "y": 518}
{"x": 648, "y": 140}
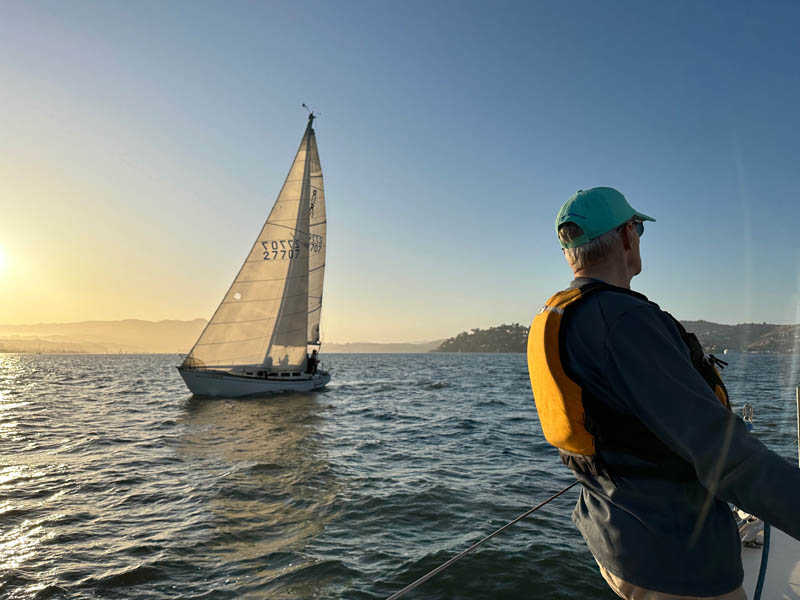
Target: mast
{"x": 311, "y": 115}
{"x": 317, "y": 235}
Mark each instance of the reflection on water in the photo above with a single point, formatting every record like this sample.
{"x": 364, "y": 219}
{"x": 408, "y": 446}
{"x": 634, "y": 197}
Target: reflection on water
{"x": 268, "y": 488}
{"x": 19, "y": 536}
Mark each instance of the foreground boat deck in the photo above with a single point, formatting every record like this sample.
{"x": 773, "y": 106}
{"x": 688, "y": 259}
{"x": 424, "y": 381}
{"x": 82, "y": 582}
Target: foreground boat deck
{"x": 782, "y": 578}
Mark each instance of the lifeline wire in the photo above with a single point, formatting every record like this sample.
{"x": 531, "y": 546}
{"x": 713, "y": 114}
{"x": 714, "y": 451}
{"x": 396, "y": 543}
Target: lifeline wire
{"x": 443, "y": 566}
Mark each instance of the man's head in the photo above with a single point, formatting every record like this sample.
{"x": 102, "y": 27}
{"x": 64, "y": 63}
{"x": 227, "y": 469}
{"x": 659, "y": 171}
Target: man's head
{"x": 598, "y": 224}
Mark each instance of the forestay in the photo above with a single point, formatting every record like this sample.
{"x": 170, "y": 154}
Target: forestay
{"x": 272, "y": 309}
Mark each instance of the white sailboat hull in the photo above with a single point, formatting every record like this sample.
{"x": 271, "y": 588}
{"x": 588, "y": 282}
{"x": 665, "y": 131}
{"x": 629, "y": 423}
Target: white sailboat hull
{"x": 218, "y": 383}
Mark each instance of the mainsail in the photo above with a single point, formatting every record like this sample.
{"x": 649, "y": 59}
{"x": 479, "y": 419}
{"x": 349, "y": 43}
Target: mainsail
{"x": 272, "y": 309}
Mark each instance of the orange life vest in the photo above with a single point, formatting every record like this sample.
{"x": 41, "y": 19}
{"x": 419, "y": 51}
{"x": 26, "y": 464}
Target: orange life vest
{"x": 560, "y": 400}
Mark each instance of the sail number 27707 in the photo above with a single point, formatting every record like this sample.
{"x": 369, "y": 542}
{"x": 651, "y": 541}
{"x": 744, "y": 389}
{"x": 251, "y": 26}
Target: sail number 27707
{"x": 289, "y": 249}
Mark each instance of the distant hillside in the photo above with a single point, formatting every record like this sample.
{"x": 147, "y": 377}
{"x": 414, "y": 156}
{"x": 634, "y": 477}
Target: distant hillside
{"x": 747, "y": 337}
{"x": 137, "y": 336}
{"x": 39, "y": 346}
{"x": 504, "y": 338}
{"x": 131, "y": 335}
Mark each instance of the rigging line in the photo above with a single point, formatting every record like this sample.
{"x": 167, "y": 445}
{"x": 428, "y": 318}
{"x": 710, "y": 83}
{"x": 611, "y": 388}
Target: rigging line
{"x": 277, "y": 278}
{"x": 285, "y": 331}
{"x": 262, "y": 280}
{"x": 443, "y": 566}
{"x": 277, "y": 222}
{"x": 215, "y": 323}
{"x": 294, "y": 314}
{"x": 230, "y": 341}
{"x": 255, "y": 365}
{"x": 287, "y": 278}
{"x": 257, "y": 300}
{"x": 237, "y": 365}
{"x": 282, "y": 332}
{"x": 246, "y": 321}
{"x": 274, "y": 224}
{"x": 299, "y": 295}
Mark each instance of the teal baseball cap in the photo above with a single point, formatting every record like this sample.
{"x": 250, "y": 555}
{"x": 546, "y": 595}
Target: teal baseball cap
{"x": 596, "y": 211}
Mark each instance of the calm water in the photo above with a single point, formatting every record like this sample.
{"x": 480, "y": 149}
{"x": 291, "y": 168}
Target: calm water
{"x": 116, "y": 483}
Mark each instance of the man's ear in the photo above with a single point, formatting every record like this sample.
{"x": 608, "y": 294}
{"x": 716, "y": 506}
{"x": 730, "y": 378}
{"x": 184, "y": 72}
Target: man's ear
{"x": 625, "y": 233}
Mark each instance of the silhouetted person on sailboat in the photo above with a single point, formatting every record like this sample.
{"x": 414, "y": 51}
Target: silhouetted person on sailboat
{"x": 312, "y": 362}
{"x": 642, "y": 417}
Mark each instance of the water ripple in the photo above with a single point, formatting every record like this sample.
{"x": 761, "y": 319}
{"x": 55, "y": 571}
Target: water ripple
{"x": 116, "y": 483}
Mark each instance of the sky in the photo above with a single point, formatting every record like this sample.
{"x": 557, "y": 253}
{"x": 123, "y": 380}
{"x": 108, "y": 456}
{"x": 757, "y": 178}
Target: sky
{"x": 142, "y": 145}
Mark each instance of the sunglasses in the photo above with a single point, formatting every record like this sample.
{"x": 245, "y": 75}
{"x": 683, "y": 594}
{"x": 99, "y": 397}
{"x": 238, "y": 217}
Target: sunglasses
{"x": 638, "y": 225}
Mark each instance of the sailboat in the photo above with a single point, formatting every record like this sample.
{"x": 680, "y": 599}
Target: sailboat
{"x": 259, "y": 337}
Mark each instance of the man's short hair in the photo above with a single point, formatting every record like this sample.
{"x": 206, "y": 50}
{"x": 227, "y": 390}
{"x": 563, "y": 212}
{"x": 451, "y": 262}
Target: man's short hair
{"x": 589, "y": 253}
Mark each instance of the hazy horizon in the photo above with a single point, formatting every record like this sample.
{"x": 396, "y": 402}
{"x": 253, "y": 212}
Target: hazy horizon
{"x": 6, "y": 328}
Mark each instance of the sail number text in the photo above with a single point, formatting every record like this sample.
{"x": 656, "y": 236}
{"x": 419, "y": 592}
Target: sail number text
{"x": 289, "y": 249}
{"x": 281, "y": 249}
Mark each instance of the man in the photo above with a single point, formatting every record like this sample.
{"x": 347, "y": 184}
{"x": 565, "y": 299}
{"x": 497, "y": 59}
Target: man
{"x": 644, "y": 422}
{"x": 312, "y": 362}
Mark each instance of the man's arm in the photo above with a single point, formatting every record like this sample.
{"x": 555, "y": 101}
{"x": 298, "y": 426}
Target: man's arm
{"x": 649, "y": 367}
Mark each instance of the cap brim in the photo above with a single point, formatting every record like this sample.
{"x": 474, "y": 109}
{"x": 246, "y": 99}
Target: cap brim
{"x": 643, "y": 217}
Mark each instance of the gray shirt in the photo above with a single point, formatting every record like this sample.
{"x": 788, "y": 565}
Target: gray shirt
{"x": 676, "y": 537}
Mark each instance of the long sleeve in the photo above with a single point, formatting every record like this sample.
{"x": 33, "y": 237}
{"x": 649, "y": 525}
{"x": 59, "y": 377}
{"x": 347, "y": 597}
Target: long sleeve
{"x": 648, "y": 366}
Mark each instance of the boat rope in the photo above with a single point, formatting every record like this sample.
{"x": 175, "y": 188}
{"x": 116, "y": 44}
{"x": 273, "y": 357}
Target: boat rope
{"x": 445, "y": 565}
{"x": 762, "y": 570}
